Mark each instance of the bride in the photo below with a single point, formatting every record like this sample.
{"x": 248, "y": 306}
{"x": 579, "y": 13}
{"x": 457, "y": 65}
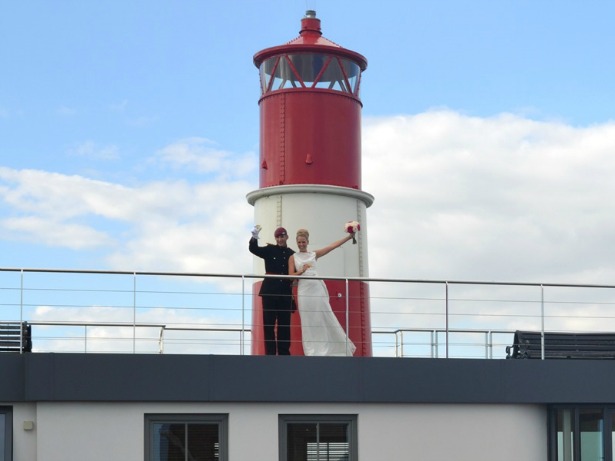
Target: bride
{"x": 321, "y": 331}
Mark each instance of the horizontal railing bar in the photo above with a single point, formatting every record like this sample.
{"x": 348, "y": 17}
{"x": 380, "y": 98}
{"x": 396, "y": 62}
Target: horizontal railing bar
{"x": 258, "y": 276}
{"x": 131, "y": 325}
{"x": 95, "y": 324}
{"x": 442, "y": 330}
{"x": 238, "y": 330}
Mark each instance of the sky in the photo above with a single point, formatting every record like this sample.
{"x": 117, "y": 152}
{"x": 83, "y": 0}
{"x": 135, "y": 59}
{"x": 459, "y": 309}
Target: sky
{"x": 129, "y": 134}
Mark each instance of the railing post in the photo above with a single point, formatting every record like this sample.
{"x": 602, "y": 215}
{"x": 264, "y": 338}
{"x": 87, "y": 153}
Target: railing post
{"x": 542, "y": 322}
{"x": 161, "y": 341}
{"x": 446, "y": 334}
{"x": 21, "y": 314}
{"x": 134, "y": 312}
{"x": 347, "y": 314}
{"x": 243, "y": 313}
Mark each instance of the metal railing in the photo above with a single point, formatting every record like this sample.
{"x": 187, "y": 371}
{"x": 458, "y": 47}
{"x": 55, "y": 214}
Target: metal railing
{"x": 165, "y": 312}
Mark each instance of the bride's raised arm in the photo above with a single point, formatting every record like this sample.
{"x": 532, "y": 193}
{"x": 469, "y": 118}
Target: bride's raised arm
{"x": 331, "y": 247}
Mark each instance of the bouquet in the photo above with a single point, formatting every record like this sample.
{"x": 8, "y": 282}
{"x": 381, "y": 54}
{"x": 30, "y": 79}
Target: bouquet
{"x": 352, "y": 227}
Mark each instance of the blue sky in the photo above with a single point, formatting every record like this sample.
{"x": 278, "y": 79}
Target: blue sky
{"x": 129, "y": 133}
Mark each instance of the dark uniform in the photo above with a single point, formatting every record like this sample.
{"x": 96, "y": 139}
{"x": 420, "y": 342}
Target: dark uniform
{"x": 276, "y": 295}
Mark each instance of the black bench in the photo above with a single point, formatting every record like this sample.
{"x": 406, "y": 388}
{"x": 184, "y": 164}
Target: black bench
{"x": 15, "y": 337}
{"x": 527, "y": 345}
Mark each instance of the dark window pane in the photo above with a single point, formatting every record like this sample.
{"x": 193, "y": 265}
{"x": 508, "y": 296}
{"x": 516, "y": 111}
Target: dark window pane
{"x": 186, "y": 437}
{"x": 2, "y": 435}
{"x": 317, "y": 442}
{"x": 299, "y": 436}
{"x": 203, "y": 442}
{"x": 334, "y": 442}
{"x": 169, "y": 442}
{"x": 612, "y": 435}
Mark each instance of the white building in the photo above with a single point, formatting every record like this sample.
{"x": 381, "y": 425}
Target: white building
{"x": 97, "y": 407}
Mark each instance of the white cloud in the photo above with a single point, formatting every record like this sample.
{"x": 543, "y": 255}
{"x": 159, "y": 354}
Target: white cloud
{"x": 201, "y": 155}
{"x": 90, "y": 149}
{"x": 163, "y": 225}
{"x": 502, "y": 198}
{"x": 110, "y": 329}
{"x": 457, "y": 197}
{"x": 199, "y": 233}
{"x": 55, "y": 233}
{"x": 60, "y": 196}
{"x": 65, "y": 111}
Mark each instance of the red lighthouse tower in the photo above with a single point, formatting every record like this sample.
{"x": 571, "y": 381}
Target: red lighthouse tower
{"x": 310, "y": 168}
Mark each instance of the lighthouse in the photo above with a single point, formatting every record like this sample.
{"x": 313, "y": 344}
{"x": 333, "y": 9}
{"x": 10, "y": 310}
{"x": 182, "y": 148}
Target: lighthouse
{"x": 310, "y": 170}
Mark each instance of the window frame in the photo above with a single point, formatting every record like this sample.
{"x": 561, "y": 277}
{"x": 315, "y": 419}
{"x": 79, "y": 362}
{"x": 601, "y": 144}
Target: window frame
{"x": 221, "y": 419}
{"x": 350, "y": 419}
{"x": 7, "y": 434}
{"x": 607, "y": 413}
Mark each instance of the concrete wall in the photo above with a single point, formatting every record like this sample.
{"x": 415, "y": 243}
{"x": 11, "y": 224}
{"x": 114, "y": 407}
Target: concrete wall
{"x": 25, "y": 442}
{"x": 453, "y": 432}
{"x": 70, "y": 431}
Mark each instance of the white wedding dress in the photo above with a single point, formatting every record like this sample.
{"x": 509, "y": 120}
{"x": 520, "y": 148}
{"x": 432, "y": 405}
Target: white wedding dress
{"x": 321, "y": 331}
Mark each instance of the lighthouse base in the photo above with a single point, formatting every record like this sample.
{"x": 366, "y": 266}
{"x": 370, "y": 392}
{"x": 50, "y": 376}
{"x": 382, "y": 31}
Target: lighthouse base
{"x": 351, "y": 310}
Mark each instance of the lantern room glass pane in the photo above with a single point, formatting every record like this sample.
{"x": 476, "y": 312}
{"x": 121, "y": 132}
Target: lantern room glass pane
{"x": 333, "y": 77}
{"x": 309, "y": 66}
{"x": 281, "y": 72}
{"x": 352, "y": 71}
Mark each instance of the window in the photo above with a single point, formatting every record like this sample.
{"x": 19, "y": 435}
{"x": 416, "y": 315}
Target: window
{"x": 583, "y": 432}
{"x": 318, "y": 438}
{"x": 6, "y": 433}
{"x": 310, "y": 70}
{"x": 191, "y": 437}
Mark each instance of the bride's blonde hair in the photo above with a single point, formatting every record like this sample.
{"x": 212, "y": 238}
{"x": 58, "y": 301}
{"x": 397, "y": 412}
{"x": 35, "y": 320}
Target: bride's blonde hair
{"x": 303, "y": 233}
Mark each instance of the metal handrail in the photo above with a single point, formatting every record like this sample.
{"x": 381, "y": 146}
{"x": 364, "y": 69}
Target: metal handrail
{"x": 448, "y": 314}
{"x": 435, "y": 343}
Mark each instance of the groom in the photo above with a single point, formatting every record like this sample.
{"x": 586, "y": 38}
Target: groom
{"x": 276, "y": 294}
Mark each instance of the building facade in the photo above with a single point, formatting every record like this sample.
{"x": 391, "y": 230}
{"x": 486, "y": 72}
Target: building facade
{"x": 64, "y": 407}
